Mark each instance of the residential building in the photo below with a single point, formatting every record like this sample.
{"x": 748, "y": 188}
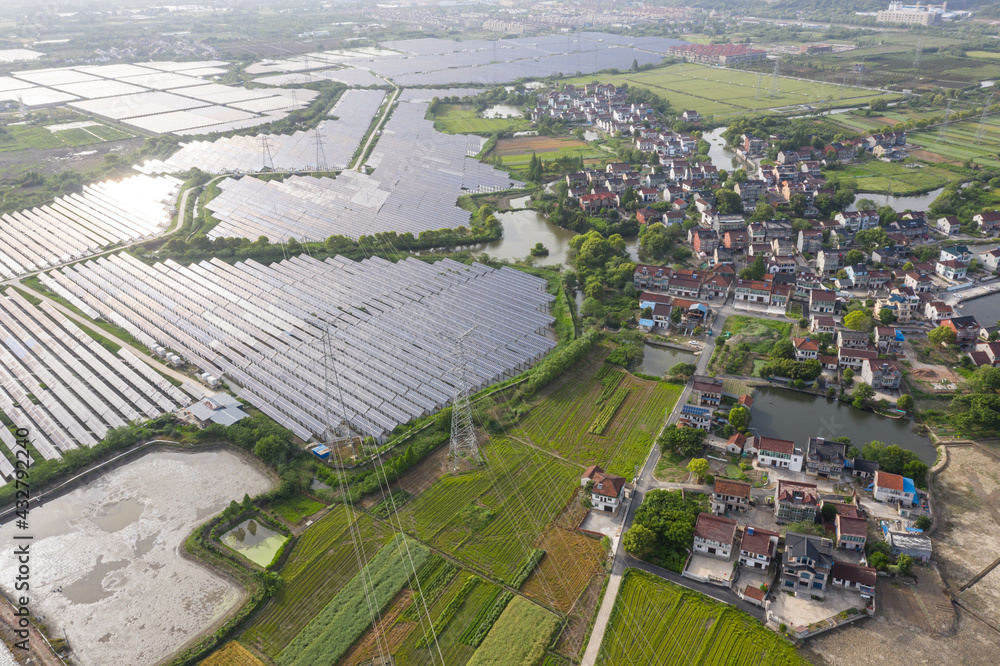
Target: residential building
{"x": 714, "y": 536}
{"x": 986, "y": 353}
{"x": 807, "y": 564}
{"x": 730, "y": 495}
{"x": 917, "y": 546}
{"x": 966, "y": 329}
{"x": 858, "y": 275}
{"x": 717, "y": 54}
{"x": 608, "y": 490}
{"x": 917, "y": 282}
{"x": 758, "y": 547}
{"x": 938, "y": 311}
{"x": 828, "y": 262}
{"x": 753, "y": 291}
{"x": 863, "y": 469}
{"x": 704, "y": 241}
{"x": 706, "y": 390}
{"x": 888, "y": 339}
{"x": 716, "y": 285}
{"x": 854, "y": 577}
{"x": 949, "y": 225}
{"x": 823, "y": 324}
{"x": 855, "y": 358}
{"x": 988, "y": 221}
{"x": 736, "y": 240}
{"x": 894, "y": 489}
{"x": 795, "y": 501}
{"x": 856, "y": 221}
{"x": 810, "y": 241}
{"x": 882, "y": 374}
{"x": 693, "y": 416}
{"x": 852, "y": 339}
{"x": 780, "y": 294}
{"x": 959, "y": 253}
{"x": 991, "y": 259}
{"x": 825, "y": 460}
{"x": 651, "y": 277}
{"x": 782, "y": 453}
{"x": 805, "y": 349}
{"x": 822, "y": 301}
{"x": 951, "y": 269}
{"x": 851, "y": 532}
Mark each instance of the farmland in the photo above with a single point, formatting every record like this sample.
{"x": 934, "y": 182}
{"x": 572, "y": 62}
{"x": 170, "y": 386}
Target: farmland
{"x": 896, "y": 178}
{"x": 754, "y": 326}
{"x": 232, "y": 654}
{"x": 295, "y": 508}
{"x": 320, "y": 563}
{"x": 676, "y": 625}
{"x": 463, "y": 119}
{"x": 520, "y": 636}
{"x": 718, "y": 91}
{"x": 516, "y": 153}
{"x": 37, "y": 137}
{"x": 522, "y": 488}
{"x": 561, "y": 418}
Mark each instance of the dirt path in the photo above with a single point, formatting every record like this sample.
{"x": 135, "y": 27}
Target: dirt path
{"x": 38, "y": 650}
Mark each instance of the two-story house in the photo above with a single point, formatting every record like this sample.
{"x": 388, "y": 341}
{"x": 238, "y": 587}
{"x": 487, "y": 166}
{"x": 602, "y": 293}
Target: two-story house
{"x": 752, "y": 291}
{"x": 706, "y": 390}
{"x": 758, "y": 547}
{"x": 806, "y": 349}
{"x": 782, "y": 453}
{"x": 810, "y": 241}
{"x": 888, "y": 339}
{"x": 858, "y": 275}
{"x": 966, "y": 329}
{"x": 825, "y": 460}
{"x": 806, "y": 565}
{"x": 988, "y": 221}
{"x": 948, "y": 225}
{"x": 951, "y": 269}
{"x": 714, "y": 536}
{"x": 822, "y": 301}
{"x": 959, "y": 253}
{"x": 894, "y": 489}
{"x": 854, "y": 577}
{"x": 938, "y": 311}
{"x": 855, "y": 358}
{"x": 693, "y": 416}
{"x": 882, "y": 374}
{"x": 852, "y": 339}
{"x": 828, "y": 262}
{"x": 823, "y": 324}
{"x": 795, "y": 501}
{"x": 852, "y": 533}
{"x": 730, "y": 495}
{"x": 607, "y": 491}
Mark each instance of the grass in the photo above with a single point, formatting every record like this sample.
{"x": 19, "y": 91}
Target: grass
{"x": 559, "y": 419}
{"x": 294, "y": 509}
{"x": 522, "y": 160}
{"x": 894, "y": 177}
{"x": 754, "y": 326}
{"x": 520, "y": 636}
{"x": 671, "y": 466}
{"x": 655, "y": 621}
{"x": 38, "y": 137}
{"x": 463, "y": 119}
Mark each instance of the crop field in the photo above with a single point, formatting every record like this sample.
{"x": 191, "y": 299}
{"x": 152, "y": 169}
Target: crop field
{"x": 523, "y": 490}
{"x": 571, "y": 559}
{"x": 720, "y": 91}
{"x": 960, "y": 143}
{"x": 38, "y": 137}
{"x": 516, "y": 153}
{"x": 657, "y": 622}
{"x": 520, "y": 636}
{"x": 232, "y": 654}
{"x": 321, "y": 562}
{"x": 463, "y": 119}
{"x": 894, "y": 177}
{"x": 561, "y": 418}
{"x": 295, "y": 508}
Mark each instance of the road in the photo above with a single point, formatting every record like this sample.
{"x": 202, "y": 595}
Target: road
{"x": 378, "y": 126}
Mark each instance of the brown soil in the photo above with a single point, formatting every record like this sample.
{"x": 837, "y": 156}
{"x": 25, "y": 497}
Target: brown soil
{"x": 538, "y": 144}
{"x": 928, "y": 156}
{"x": 571, "y": 559}
{"x": 38, "y": 652}
{"x": 418, "y": 478}
{"x": 391, "y": 634}
{"x": 571, "y": 640}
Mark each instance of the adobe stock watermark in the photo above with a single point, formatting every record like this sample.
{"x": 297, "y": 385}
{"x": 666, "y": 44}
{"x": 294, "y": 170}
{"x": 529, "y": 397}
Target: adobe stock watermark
{"x": 22, "y": 540}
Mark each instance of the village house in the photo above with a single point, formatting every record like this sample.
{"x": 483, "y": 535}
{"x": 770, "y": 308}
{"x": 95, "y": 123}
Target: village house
{"x": 805, "y": 349}
{"x": 810, "y": 241}
{"x": 858, "y": 275}
{"x": 823, "y": 324}
{"x": 951, "y": 269}
{"x": 714, "y": 536}
{"x": 807, "y": 564}
{"x": 780, "y": 264}
{"x": 780, "y": 294}
{"x": 825, "y": 460}
{"x": 936, "y": 311}
{"x": 706, "y": 390}
{"x": 894, "y": 489}
{"x": 854, "y": 577}
{"x": 917, "y": 282}
{"x": 782, "y": 453}
{"x": 730, "y": 495}
{"x": 795, "y": 502}
{"x": 959, "y": 253}
{"x": 917, "y": 546}
{"x": 758, "y": 547}
{"x": 966, "y": 329}
{"x": 987, "y": 221}
{"x": 852, "y": 533}
{"x": 878, "y": 279}
{"x": 882, "y": 374}
{"x": 888, "y": 339}
{"x": 948, "y": 225}
{"x": 986, "y": 353}
{"x": 863, "y": 469}
{"x": 855, "y": 358}
{"x": 822, "y": 301}
{"x": 716, "y": 285}
{"x": 651, "y": 277}
{"x": 607, "y": 491}
{"x": 753, "y": 291}
{"x": 737, "y": 240}
{"x": 704, "y": 241}
{"x": 693, "y": 416}
{"x": 852, "y": 339}
{"x": 856, "y": 221}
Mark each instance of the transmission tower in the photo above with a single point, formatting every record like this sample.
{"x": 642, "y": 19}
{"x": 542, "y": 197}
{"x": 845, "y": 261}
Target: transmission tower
{"x": 943, "y": 132}
{"x": 336, "y": 431}
{"x": 916, "y": 54}
{"x": 265, "y": 149}
{"x": 295, "y": 100}
{"x": 760, "y": 80}
{"x": 321, "y": 164}
{"x": 463, "y": 433}
{"x": 982, "y": 120}
{"x": 774, "y": 78}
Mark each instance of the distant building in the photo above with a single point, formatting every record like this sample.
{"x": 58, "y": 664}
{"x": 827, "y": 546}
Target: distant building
{"x": 717, "y": 54}
{"x": 918, "y": 14}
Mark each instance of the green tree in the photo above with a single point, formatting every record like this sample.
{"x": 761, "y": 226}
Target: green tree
{"x": 878, "y": 560}
{"x": 272, "y": 449}
{"x": 783, "y": 349}
{"x": 923, "y": 523}
{"x": 739, "y": 417}
{"x": 859, "y": 320}
{"x": 687, "y": 441}
{"x": 863, "y": 395}
{"x": 755, "y": 270}
{"x": 905, "y": 564}
{"x": 592, "y": 308}
{"x": 942, "y": 335}
{"x": 646, "y": 313}
{"x": 887, "y": 316}
{"x": 917, "y": 471}
{"x": 905, "y": 403}
{"x": 728, "y": 202}
{"x": 854, "y": 256}
{"x": 639, "y": 541}
{"x": 698, "y": 467}
{"x": 829, "y": 512}
{"x": 986, "y": 379}
{"x": 806, "y": 527}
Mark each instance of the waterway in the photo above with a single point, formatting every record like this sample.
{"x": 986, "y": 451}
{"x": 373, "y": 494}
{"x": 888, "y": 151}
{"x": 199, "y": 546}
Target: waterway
{"x": 797, "y": 416}
{"x": 901, "y": 203}
{"x": 658, "y": 360}
{"x": 986, "y": 309}
{"x": 106, "y": 566}
{"x": 722, "y": 157}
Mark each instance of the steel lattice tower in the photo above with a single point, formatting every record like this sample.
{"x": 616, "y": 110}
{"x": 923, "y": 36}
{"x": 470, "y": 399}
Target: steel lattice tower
{"x": 320, "y": 154}
{"x": 916, "y": 54}
{"x": 463, "y": 432}
{"x": 760, "y": 80}
{"x": 943, "y": 132}
{"x": 774, "y": 78}
{"x": 265, "y": 149}
{"x": 337, "y": 429}
{"x": 982, "y": 120}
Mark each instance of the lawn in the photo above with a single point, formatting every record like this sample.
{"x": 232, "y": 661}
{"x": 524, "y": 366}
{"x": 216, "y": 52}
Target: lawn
{"x": 755, "y": 326}
{"x": 293, "y": 509}
{"x": 38, "y": 137}
{"x": 657, "y": 622}
{"x": 516, "y": 153}
{"x": 894, "y": 177}
{"x": 562, "y": 418}
{"x": 520, "y": 637}
{"x": 463, "y": 119}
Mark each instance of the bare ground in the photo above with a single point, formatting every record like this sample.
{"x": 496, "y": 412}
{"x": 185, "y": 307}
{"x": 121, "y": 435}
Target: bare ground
{"x": 390, "y": 633}
{"x": 418, "y": 478}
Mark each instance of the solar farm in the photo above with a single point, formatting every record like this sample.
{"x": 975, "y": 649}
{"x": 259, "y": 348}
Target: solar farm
{"x": 161, "y": 97}
{"x": 77, "y": 225}
{"x": 64, "y": 387}
{"x": 419, "y": 175}
{"x": 389, "y": 327}
{"x": 340, "y": 138}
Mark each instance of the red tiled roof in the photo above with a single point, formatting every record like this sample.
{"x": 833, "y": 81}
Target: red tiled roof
{"x": 844, "y": 509}
{"x": 828, "y": 360}
{"x": 607, "y": 485}
{"x": 787, "y": 489}
{"x": 854, "y": 573}
{"x": 806, "y": 344}
{"x": 715, "y": 528}
{"x": 739, "y": 440}
{"x": 593, "y": 469}
{"x": 889, "y": 481}
{"x": 746, "y": 401}
{"x": 758, "y": 543}
{"x": 776, "y": 445}
{"x": 732, "y": 488}
{"x": 754, "y": 593}
{"x": 851, "y": 526}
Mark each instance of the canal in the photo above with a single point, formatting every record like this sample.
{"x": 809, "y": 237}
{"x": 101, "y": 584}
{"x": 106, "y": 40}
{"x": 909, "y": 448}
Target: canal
{"x": 785, "y": 414}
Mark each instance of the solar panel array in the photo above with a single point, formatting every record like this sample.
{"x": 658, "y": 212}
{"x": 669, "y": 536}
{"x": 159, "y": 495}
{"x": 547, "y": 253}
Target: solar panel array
{"x": 419, "y": 175}
{"x": 390, "y": 327}
{"x": 341, "y": 138}
{"x": 63, "y": 386}
{"x": 349, "y": 76}
{"x": 77, "y": 225}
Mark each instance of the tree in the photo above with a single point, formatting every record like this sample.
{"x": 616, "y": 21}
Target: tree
{"x": 854, "y": 256}
{"x": 739, "y": 417}
{"x": 671, "y": 516}
{"x": 923, "y": 523}
{"x": 905, "y": 403}
{"x": 755, "y": 270}
{"x": 859, "y": 320}
{"x": 942, "y": 335}
{"x": 917, "y": 471}
{"x": 646, "y": 313}
{"x": 986, "y": 379}
{"x": 698, "y": 467}
{"x": 635, "y": 65}
{"x": 806, "y": 527}
{"x": 908, "y": 266}
{"x": 863, "y": 396}
{"x": 905, "y": 564}
{"x": 866, "y": 204}
{"x": 688, "y": 441}
{"x": 272, "y": 449}
{"x": 639, "y": 541}
{"x": 539, "y": 250}
{"x": 878, "y": 560}
{"x": 887, "y": 316}
{"x": 591, "y": 307}
{"x": 829, "y": 512}
{"x": 783, "y": 348}
{"x": 728, "y": 202}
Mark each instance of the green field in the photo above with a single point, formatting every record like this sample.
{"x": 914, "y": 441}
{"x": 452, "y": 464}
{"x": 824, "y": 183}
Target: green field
{"x": 37, "y": 137}
{"x": 567, "y": 410}
{"x": 657, "y": 622}
{"x": 719, "y": 91}
{"x": 894, "y": 177}
{"x": 321, "y": 562}
{"x": 295, "y": 508}
{"x": 519, "y": 637}
{"x": 524, "y": 490}
{"x": 960, "y": 142}
{"x": 755, "y": 326}
{"x": 463, "y": 119}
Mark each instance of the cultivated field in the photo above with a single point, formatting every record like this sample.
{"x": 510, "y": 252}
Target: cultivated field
{"x": 568, "y": 413}
{"x": 516, "y": 153}
{"x": 463, "y": 119}
{"x": 232, "y": 654}
{"x": 719, "y": 91}
{"x": 520, "y": 636}
{"x": 657, "y": 622}
{"x": 894, "y": 177}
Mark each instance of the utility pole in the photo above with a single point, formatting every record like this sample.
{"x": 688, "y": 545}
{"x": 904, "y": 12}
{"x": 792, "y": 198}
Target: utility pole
{"x": 463, "y": 432}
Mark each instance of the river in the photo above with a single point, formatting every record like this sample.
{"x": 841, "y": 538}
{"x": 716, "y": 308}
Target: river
{"x": 797, "y": 416}
{"x": 722, "y": 157}
{"x": 986, "y": 309}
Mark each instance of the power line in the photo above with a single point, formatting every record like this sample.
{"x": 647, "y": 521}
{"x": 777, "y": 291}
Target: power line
{"x": 981, "y": 130}
{"x": 943, "y": 132}
{"x": 267, "y": 161}
{"x": 463, "y": 432}
{"x": 320, "y": 154}
{"x": 774, "y": 78}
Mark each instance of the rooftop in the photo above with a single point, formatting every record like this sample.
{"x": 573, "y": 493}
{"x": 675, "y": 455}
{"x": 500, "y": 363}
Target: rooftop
{"x": 715, "y": 528}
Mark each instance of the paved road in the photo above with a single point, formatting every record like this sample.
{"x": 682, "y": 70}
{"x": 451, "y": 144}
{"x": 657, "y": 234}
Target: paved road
{"x": 378, "y": 126}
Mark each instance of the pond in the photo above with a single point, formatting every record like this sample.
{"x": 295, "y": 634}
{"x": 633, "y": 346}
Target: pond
{"x": 107, "y": 568}
{"x": 785, "y": 414}
{"x": 986, "y": 309}
{"x": 914, "y": 202}
{"x": 255, "y": 542}
{"x": 503, "y": 111}
{"x": 521, "y": 230}
{"x": 658, "y": 360}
